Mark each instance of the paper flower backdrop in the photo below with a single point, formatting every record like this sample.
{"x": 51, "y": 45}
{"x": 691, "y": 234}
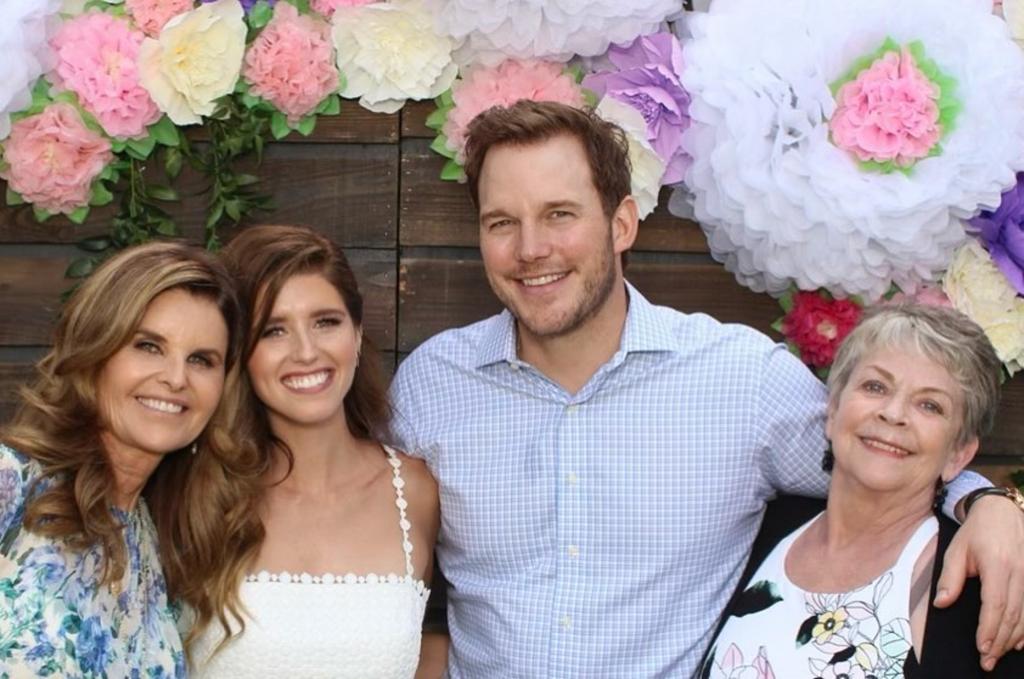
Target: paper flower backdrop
{"x": 790, "y": 185}
{"x": 23, "y": 36}
{"x": 493, "y": 30}
{"x": 389, "y": 52}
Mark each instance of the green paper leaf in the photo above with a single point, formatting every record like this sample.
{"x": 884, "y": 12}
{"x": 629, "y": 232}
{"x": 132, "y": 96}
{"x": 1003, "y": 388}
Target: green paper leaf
{"x": 13, "y": 197}
{"x": 117, "y": 145}
{"x": 446, "y": 99}
{"x": 260, "y": 14}
{"x": 575, "y": 72}
{"x": 777, "y": 326}
{"x": 80, "y": 268}
{"x": 306, "y": 126}
{"x": 94, "y": 243}
{"x": 279, "y": 125}
{"x": 101, "y": 195}
{"x": 141, "y": 148}
{"x": 452, "y": 172}
{"x": 79, "y": 215}
{"x": 165, "y": 227}
{"x": 40, "y": 214}
{"x": 436, "y": 120}
{"x": 440, "y": 146}
{"x": 172, "y": 162}
{"x": 786, "y": 301}
{"x": 589, "y": 98}
{"x": 164, "y": 193}
{"x": 302, "y": 6}
{"x": 165, "y": 132}
{"x": 331, "y": 106}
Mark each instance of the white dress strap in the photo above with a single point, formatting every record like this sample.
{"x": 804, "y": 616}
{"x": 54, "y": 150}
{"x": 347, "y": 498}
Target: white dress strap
{"x": 402, "y": 504}
{"x": 915, "y": 545}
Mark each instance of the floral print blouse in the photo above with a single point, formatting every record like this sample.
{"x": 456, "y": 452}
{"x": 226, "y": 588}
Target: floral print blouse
{"x": 55, "y": 618}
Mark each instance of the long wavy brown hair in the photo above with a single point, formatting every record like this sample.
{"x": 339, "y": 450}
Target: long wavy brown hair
{"x": 261, "y": 259}
{"x": 200, "y": 503}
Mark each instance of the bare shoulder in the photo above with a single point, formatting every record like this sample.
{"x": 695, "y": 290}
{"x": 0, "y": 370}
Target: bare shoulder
{"x": 420, "y": 486}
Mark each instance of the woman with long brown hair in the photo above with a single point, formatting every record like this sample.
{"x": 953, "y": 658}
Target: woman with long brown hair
{"x": 337, "y": 585}
{"x": 119, "y": 481}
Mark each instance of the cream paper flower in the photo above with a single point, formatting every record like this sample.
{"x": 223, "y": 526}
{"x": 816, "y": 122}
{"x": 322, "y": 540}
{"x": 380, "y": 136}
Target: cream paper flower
{"x": 493, "y": 30}
{"x": 195, "y": 60}
{"x": 389, "y": 52}
{"x": 1013, "y": 12}
{"x": 976, "y": 287}
{"x": 780, "y": 203}
{"x": 647, "y": 165}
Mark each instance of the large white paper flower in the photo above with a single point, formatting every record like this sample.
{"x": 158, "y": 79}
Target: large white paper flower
{"x": 389, "y": 52}
{"x": 647, "y": 166}
{"x": 493, "y": 30}
{"x": 976, "y": 287}
{"x": 24, "y": 31}
{"x": 780, "y": 202}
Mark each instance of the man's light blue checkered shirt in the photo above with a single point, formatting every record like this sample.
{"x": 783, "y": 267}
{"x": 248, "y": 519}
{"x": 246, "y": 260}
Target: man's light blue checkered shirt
{"x": 600, "y": 534}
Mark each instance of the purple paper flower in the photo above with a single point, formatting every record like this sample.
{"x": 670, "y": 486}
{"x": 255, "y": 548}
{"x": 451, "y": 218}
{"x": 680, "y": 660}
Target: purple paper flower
{"x": 1002, "y": 232}
{"x": 648, "y": 79}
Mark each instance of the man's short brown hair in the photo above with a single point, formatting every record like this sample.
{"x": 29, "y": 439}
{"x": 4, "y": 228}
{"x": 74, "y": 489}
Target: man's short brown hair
{"x": 529, "y": 122}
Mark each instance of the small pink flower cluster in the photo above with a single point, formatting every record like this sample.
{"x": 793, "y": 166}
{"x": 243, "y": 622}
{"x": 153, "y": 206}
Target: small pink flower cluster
{"x": 327, "y": 7}
{"x": 97, "y": 56}
{"x": 53, "y": 158}
{"x": 889, "y": 112}
{"x": 291, "y": 63}
{"x": 151, "y": 15}
{"x": 504, "y": 85}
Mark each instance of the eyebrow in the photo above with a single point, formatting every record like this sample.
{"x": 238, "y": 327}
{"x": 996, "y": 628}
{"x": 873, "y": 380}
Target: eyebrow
{"x": 314, "y": 314}
{"x": 546, "y": 207}
{"x": 157, "y": 337}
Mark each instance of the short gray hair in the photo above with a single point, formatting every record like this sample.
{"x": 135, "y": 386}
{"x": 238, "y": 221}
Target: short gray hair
{"x": 942, "y": 335}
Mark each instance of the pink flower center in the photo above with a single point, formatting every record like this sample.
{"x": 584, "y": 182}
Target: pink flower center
{"x": 889, "y": 112}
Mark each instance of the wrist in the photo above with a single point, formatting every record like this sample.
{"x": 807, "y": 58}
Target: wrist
{"x": 1011, "y": 494}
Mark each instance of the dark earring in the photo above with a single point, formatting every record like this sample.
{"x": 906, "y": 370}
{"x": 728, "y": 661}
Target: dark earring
{"x": 941, "y": 491}
{"x": 828, "y": 460}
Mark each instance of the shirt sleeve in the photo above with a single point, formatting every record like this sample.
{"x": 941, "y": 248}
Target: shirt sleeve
{"x": 404, "y": 400}
{"x": 791, "y": 426}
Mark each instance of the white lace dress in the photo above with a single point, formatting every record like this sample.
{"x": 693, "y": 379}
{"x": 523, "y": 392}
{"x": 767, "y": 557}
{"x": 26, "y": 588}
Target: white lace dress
{"x": 365, "y": 626}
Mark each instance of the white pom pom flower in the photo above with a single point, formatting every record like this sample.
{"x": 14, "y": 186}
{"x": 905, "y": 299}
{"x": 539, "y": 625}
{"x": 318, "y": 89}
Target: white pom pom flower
{"x": 781, "y": 203}
{"x": 26, "y": 26}
{"x": 493, "y": 30}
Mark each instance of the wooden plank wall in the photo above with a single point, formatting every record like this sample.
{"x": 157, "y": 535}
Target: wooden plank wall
{"x": 371, "y": 182}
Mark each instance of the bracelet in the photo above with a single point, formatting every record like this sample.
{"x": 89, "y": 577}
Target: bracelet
{"x": 1011, "y": 494}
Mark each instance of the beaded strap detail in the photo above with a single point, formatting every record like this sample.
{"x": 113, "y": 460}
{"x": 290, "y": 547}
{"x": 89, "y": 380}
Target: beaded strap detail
{"x": 399, "y": 483}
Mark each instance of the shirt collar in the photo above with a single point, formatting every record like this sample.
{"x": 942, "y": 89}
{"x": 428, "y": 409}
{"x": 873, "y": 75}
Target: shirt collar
{"x": 645, "y": 330}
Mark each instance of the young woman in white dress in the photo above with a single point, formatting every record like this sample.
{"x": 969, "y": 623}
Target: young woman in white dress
{"x": 337, "y": 584}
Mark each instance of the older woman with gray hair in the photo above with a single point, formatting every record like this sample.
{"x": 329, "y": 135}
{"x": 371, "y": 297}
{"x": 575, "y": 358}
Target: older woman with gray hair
{"x": 846, "y": 594}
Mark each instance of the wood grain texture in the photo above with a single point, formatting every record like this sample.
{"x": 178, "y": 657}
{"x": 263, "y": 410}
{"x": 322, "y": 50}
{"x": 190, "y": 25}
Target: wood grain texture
{"x": 354, "y": 124}
{"x": 414, "y": 120}
{"x": 31, "y": 287}
{"x": 440, "y": 213}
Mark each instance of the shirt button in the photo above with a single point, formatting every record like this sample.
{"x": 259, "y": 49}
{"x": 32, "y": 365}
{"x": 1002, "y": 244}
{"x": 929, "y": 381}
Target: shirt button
{"x": 572, "y": 479}
{"x": 514, "y": 366}
{"x": 570, "y": 409}
{"x": 566, "y": 622}
{"x": 574, "y": 551}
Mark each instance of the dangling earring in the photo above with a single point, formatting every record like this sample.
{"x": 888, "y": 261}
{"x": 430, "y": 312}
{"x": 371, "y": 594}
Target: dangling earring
{"x": 941, "y": 491}
{"x": 195, "y": 447}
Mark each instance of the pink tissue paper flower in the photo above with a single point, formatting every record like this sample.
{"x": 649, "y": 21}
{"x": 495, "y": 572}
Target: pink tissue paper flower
{"x": 97, "y": 59}
{"x": 291, "y": 63}
{"x": 327, "y": 7}
{"x": 151, "y": 15}
{"x": 53, "y": 158}
{"x": 889, "y": 112}
{"x": 504, "y": 85}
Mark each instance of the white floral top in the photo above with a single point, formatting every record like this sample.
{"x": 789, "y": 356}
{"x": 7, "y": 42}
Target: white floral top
{"x": 777, "y": 630}
{"x": 55, "y": 619}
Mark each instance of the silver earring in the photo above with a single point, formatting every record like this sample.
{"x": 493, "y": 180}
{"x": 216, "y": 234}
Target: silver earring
{"x": 195, "y": 447}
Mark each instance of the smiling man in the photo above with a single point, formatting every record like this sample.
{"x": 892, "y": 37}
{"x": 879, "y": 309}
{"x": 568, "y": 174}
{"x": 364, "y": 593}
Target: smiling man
{"x": 603, "y": 462}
